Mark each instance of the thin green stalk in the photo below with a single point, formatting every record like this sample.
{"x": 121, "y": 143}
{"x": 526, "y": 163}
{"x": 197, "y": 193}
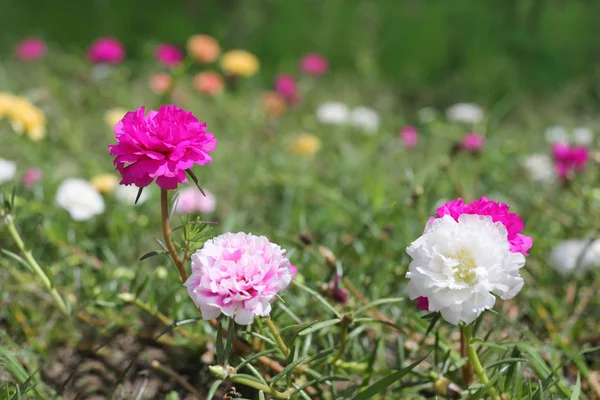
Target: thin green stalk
{"x": 275, "y": 332}
{"x": 12, "y": 229}
{"x": 479, "y": 370}
{"x": 343, "y": 340}
{"x": 259, "y": 386}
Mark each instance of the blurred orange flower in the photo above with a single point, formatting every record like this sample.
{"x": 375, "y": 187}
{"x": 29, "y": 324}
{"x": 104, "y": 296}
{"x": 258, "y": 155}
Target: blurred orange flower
{"x": 209, "y": 82}
{"x": 204, "y": 48}
{"x": 159, "y": 83}
{"x": 274, "y": 104}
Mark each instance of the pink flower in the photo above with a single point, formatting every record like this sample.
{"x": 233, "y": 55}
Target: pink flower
{"x": 473, "y": 142}
{"x": 106, "y": 50}
{"x": 410, "y": 137}
{"x": 237, "y": 274}
{"x": 499, "y": 213}
{"x": 31, "y": 177}
{"x": 293, "y": 270}
{"x": 161, "y": 145}
{"x": 285, "y": 85}
{"x": 336, "y": 292}
{"x": 168, "y": 55}
{"x": 314, "y": 64}
{"x": 568, "y": 160}
{"x": 30, "y": 49}
{"x": 191, "y": 200}
{"x": 160, "y": 82}
{"x": 422, "y": 303}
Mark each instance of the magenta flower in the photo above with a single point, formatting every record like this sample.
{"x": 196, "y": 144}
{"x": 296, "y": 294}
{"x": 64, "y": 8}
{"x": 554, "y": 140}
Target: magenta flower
{"x": 285, "y": 85}
{"x": 160, "y": 145}
{"x": 190, "y": 200}
{"x": 107, "y": 50}
{"x": 568, "y": 160}
{"x": 293, "y": 270}
{"x": 422, "y": 303}
{"x": 168, "y": 55}
{"x": 237, "y": 274}
{"x": 473, "y": 142}
{"x": 31, "y": 177}
{"x": 30, "y": 49}
{"x": 336, "y": 292}
{"x": 409, "y": 137}
{"x": 499, "y": 213}
{"x": 314, "y": 64}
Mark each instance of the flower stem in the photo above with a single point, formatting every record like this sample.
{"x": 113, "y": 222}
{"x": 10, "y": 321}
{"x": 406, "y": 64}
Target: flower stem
{"x": 474, "y": 358}
{"x": 12, "y": 229}
{"x": 259, "y": 386}
{"x": 345, "y": 323}
{"x": 181, "y": 380}
{"x": 284, "y": 349}
{"x": 164, "y": 203}
{"x": 467, "y": 369}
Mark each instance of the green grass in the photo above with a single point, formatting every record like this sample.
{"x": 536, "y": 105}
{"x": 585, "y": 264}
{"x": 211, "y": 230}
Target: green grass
{"x": 364, "y": 197}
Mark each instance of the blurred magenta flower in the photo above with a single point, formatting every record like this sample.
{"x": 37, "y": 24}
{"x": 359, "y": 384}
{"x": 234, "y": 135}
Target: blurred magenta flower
{"x": 190, "y": 200}
{"x": 409, "y": 137}
{"x": 473, "y": 142}
{"x": 31, "y": 177}
{"x": 168, "y": 55}
{"x": 161, "y": 145}
{"x": 293, "y": 270}
{"x": 314, "y": 64}
{"x": 285, "y": 85}
{"x": 107, "y": 50}
{"x": 337, "y": 293}
{"x": 30, "y": 49}
{"x": 237, "y": 274}
{"x": 568, "y": 160}
{"x": 422, "y": 303}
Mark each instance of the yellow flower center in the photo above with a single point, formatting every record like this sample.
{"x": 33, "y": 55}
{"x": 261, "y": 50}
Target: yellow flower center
{"x": 465, "y": 270}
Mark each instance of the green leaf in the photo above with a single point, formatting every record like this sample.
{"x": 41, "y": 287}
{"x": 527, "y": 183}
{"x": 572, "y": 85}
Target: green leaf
{"x": 229, "y": 342}
{"x": 287, "y": 370}
{"x": 319, "y": 326}
{"x": 382, "y": 384}
{"x": 255, "y": 356}
{"x": 378, "y": 303}
{"x": 484, "y": 389}
{"x": 219, "y": 344}
{"x": 577, "y": 390}
{"x": 17, "y": 258}
{"x": 319, "y": 297}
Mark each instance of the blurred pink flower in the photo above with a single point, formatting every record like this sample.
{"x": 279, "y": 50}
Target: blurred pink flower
{"x": 30, "y": 49}
{"x": 285, "y": 85}
{"x": 107, "y": 50}
{"x": 422, "y": 303}
{"x": 568, "y": 160}
{"x": 337, "y": 293}
{"x": 168, "y": 55}
{"x": 499, "y": 213}
{"x": 237, "y": 274}
{"x": 191, "y": 200}
{"x": 161, "y": 145}
{"x": 160, "y": 82}
{"x": 314, "y": 64}
{"x": 31, "y": 177}
{"x": 293, "y": 270}
{"x": 473, "y": 142}
{"x": 410, "y": 137}
{"x": 209, "y": 83}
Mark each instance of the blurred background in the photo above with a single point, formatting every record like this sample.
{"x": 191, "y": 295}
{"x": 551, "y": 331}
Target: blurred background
{"x": 432, "y": 51}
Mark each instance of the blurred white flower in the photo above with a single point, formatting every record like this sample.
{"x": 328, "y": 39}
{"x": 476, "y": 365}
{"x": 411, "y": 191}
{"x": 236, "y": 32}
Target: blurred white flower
{"x": 465, "y": 112}
{"x": 364, "y": 118}
{"x": 426, "y": 115}
{"x": 565, "y": 256}
{"x": 333, "y": 113}
{"x": 540, "y": 168}
{"x": 7, "y": 170}
{"x": 80, "y": 198}
{"x": 127, "y": 194}
{"x": 460, "y": 265}
{"x": 582, "y": 136}
{"x": 557, "y": 134}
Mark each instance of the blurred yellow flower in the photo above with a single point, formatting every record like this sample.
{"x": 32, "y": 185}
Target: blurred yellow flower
{"x": 6, "y": 100}
{"x": 112, "y": 116}
{"x": 306, "y": 145}
{"x": 239, "y": 63}
{"x": 25, "y": 117}
{"x": 105, "y": 183}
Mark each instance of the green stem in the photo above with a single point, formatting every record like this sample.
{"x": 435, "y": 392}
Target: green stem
{"x": 12, "y": 229}
{"x": 479, "y": 370}
{"x": 164, "y": 202}
{"x": 259, "y": 386}
{"x": 275, "y": 332}
{"x": 343, "y": 342}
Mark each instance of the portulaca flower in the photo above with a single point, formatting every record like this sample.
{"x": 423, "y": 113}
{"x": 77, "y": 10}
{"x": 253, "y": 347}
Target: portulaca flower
{"x": 575, "y": 256}
{"x": 8, "y": 170}
{"x": 581, "y": 136}
{"x": 126, "y": 194}
{"x": 540, "y": 168}
{"x": 237, "y": 274}
{"x": 459, "y": 265}
{"x": 333, "y": 113}
{"x": 364, "y": 118}
{"x": 80, "y": 198}
{"x": 467, "y": 113}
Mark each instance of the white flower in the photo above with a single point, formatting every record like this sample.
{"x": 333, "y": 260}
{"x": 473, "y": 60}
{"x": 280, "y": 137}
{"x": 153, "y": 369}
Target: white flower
{"x": 127, "y": 194}
{"x": 459, "y": 266}
{"x": 540, "y": 168}
{"x": 7, "y": 170}
{"x": 465, "y": 112}
{"x": 365, "y": 119}
{"x": 333, "y": 113}
{"x": 582, "y": 136}
{"x": 575, "y": 256}
{"x": 79, "y": 198}
{"x": 557, "y": 134}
